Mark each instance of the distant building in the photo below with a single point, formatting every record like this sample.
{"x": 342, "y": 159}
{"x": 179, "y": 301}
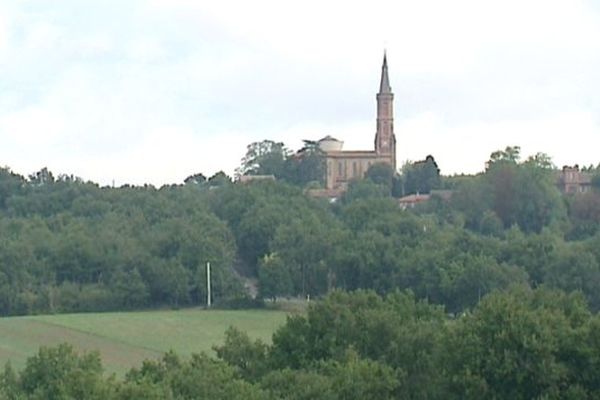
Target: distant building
{"x": 572, "y": 180}
{"x": 343, "y": 166}
{"x": 412, "y": 200}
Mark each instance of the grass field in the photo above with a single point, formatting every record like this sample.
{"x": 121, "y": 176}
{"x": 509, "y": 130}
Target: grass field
{"x": 125, "y": 339}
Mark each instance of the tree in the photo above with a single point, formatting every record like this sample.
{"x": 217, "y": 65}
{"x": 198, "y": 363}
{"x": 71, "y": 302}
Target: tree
{"x": 523, "y": 193}
{"x": 199, "y": 377}
{"x": 575, "y": 269}
{"x": 264, "y": 158}
{"x": 197, "y": 179}
{"x": 303, "y": 245}
{"x": 10, "y": 185}
{"x": 421, "y": 176}
{"x": 541, "y": 160}
{"x": 168, "y": 282}
{"x": 473, "y": 197}
{"x": 42, "y": 177}
{"x": 364, "y": 189}
{"x": 219, "y": 179}
{"x": 274, "y": 277}
{"x": 349, "y": 378}
{"x": 502, "y": 176}
{"x": 381, "y": 174}
{"x": 596, "y": 181}
{"x": 306, "y": 166}
{"x": 354, "y": 378}
{"x": 517, "y": 345}
{"x": 250, "y": 358}
{"x": 476, "y": 276}
{"x": 130, "y": 290}
{"x": 511, "y": 154}
{"x": 59, "y": 373}
{"x": 396, "y": 330}
{"x": 298, "y": 385}
{"x": 256, "y": 230}
{"x": 539, "y": 202}
{"x": 584, "y": 214}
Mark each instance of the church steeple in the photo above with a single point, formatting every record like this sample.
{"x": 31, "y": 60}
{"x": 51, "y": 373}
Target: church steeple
{"x": 384, "y": 86}
{"x": 385, "y": 140}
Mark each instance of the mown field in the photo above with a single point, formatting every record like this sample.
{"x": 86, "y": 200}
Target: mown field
{"x": 125, "y": 339}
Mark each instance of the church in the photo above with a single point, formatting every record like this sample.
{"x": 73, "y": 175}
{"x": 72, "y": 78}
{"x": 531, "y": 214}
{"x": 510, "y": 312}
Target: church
{"x": 343, "y": 166}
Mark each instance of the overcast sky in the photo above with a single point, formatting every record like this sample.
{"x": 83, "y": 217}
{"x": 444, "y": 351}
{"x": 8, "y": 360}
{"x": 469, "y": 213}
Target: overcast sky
{"x": 153, "y": 91}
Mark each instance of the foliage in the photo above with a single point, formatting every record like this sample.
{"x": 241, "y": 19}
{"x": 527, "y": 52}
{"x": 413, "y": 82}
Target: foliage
{"x": 263, "y": 158}
{"x": 307, "y": 165}
{"x": 381, "y": 174}
{"x": 522, "y": 344}
{"x": 60, "y": 373}
{"x": 517, "y": 343}
{"x": 524, "y": 194}
{"x": 249, "y": 358}
{"x": 67, "y": 245}
{"x": 273, "y": 158}
{"x": 274, "y": 277}
{"x": 421, "y": 176}
{"x": 596, "y": 181}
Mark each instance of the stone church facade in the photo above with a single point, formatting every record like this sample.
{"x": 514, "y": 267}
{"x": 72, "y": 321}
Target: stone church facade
{"x": 344, "y": 166}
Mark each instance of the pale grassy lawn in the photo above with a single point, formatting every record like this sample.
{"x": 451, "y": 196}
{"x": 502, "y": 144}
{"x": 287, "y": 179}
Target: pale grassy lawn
{"x": 125, "y": 339}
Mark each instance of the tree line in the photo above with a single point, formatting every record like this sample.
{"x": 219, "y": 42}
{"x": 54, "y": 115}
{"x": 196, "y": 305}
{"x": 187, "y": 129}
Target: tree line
{"x": 69, "y": 245}
{"x": 520, "y": 343}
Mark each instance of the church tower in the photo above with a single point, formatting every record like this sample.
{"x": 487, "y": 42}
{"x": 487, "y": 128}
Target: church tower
{"x": 385, "y": 140}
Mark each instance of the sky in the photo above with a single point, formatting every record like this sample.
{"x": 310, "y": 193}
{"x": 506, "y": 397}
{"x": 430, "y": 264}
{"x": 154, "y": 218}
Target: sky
{"x": 135, "y": 92}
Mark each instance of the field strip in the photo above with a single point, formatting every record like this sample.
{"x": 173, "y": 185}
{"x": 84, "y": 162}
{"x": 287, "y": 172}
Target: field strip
{"x": 125, "y": 339}
{"x": 159, "y": 352}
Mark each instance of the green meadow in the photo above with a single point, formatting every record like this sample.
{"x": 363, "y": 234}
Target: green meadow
{"x": 125, "y": 339}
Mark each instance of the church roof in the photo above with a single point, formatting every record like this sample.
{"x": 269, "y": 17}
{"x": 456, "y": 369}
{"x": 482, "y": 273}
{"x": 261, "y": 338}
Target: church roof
{"x": 384, "y": 86}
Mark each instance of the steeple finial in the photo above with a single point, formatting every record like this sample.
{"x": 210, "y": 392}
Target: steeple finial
{"x": 384, "y": 87}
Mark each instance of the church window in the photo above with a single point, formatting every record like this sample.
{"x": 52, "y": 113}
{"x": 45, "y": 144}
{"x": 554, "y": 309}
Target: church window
{"x": 340, "y": 168}
{"x": 354, "y": 169}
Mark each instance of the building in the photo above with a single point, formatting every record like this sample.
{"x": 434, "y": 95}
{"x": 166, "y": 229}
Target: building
{"x": 412, "y": 200}
{"x": 572, "y": 180}
{"x": 343, "y": 166}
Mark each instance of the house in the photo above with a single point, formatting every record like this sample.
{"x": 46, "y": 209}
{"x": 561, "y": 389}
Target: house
{"x": 572, "y": 180}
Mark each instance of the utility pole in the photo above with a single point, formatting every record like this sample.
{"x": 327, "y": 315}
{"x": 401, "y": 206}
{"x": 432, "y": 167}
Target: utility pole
{"x": 208, "y": 284}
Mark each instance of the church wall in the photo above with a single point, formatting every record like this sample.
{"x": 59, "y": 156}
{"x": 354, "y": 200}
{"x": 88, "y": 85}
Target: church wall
{"x": 342, "y": 168}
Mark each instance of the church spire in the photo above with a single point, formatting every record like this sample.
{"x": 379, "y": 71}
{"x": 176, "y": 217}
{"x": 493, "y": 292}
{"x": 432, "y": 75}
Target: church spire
{"x": 384, "y": 86}
{"x": 385, "y": 140}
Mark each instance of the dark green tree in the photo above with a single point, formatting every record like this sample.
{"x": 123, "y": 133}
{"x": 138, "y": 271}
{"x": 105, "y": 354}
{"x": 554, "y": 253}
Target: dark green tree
{"x": 274, "y": 277}
{"x": 197, "y": 179}
{"x": 249, "y": 357}
{"x": 264, "y": 158}
{"x": 381, "y": 174}
{"x": 421, "y": 176}
{"x": 306, "y": 166}
{"x": 516, "y": 345}
{"x": 60, "y": 373}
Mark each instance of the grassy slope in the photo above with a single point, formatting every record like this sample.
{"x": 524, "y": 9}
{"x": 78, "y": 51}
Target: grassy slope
{"x": 125, "y": 339}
